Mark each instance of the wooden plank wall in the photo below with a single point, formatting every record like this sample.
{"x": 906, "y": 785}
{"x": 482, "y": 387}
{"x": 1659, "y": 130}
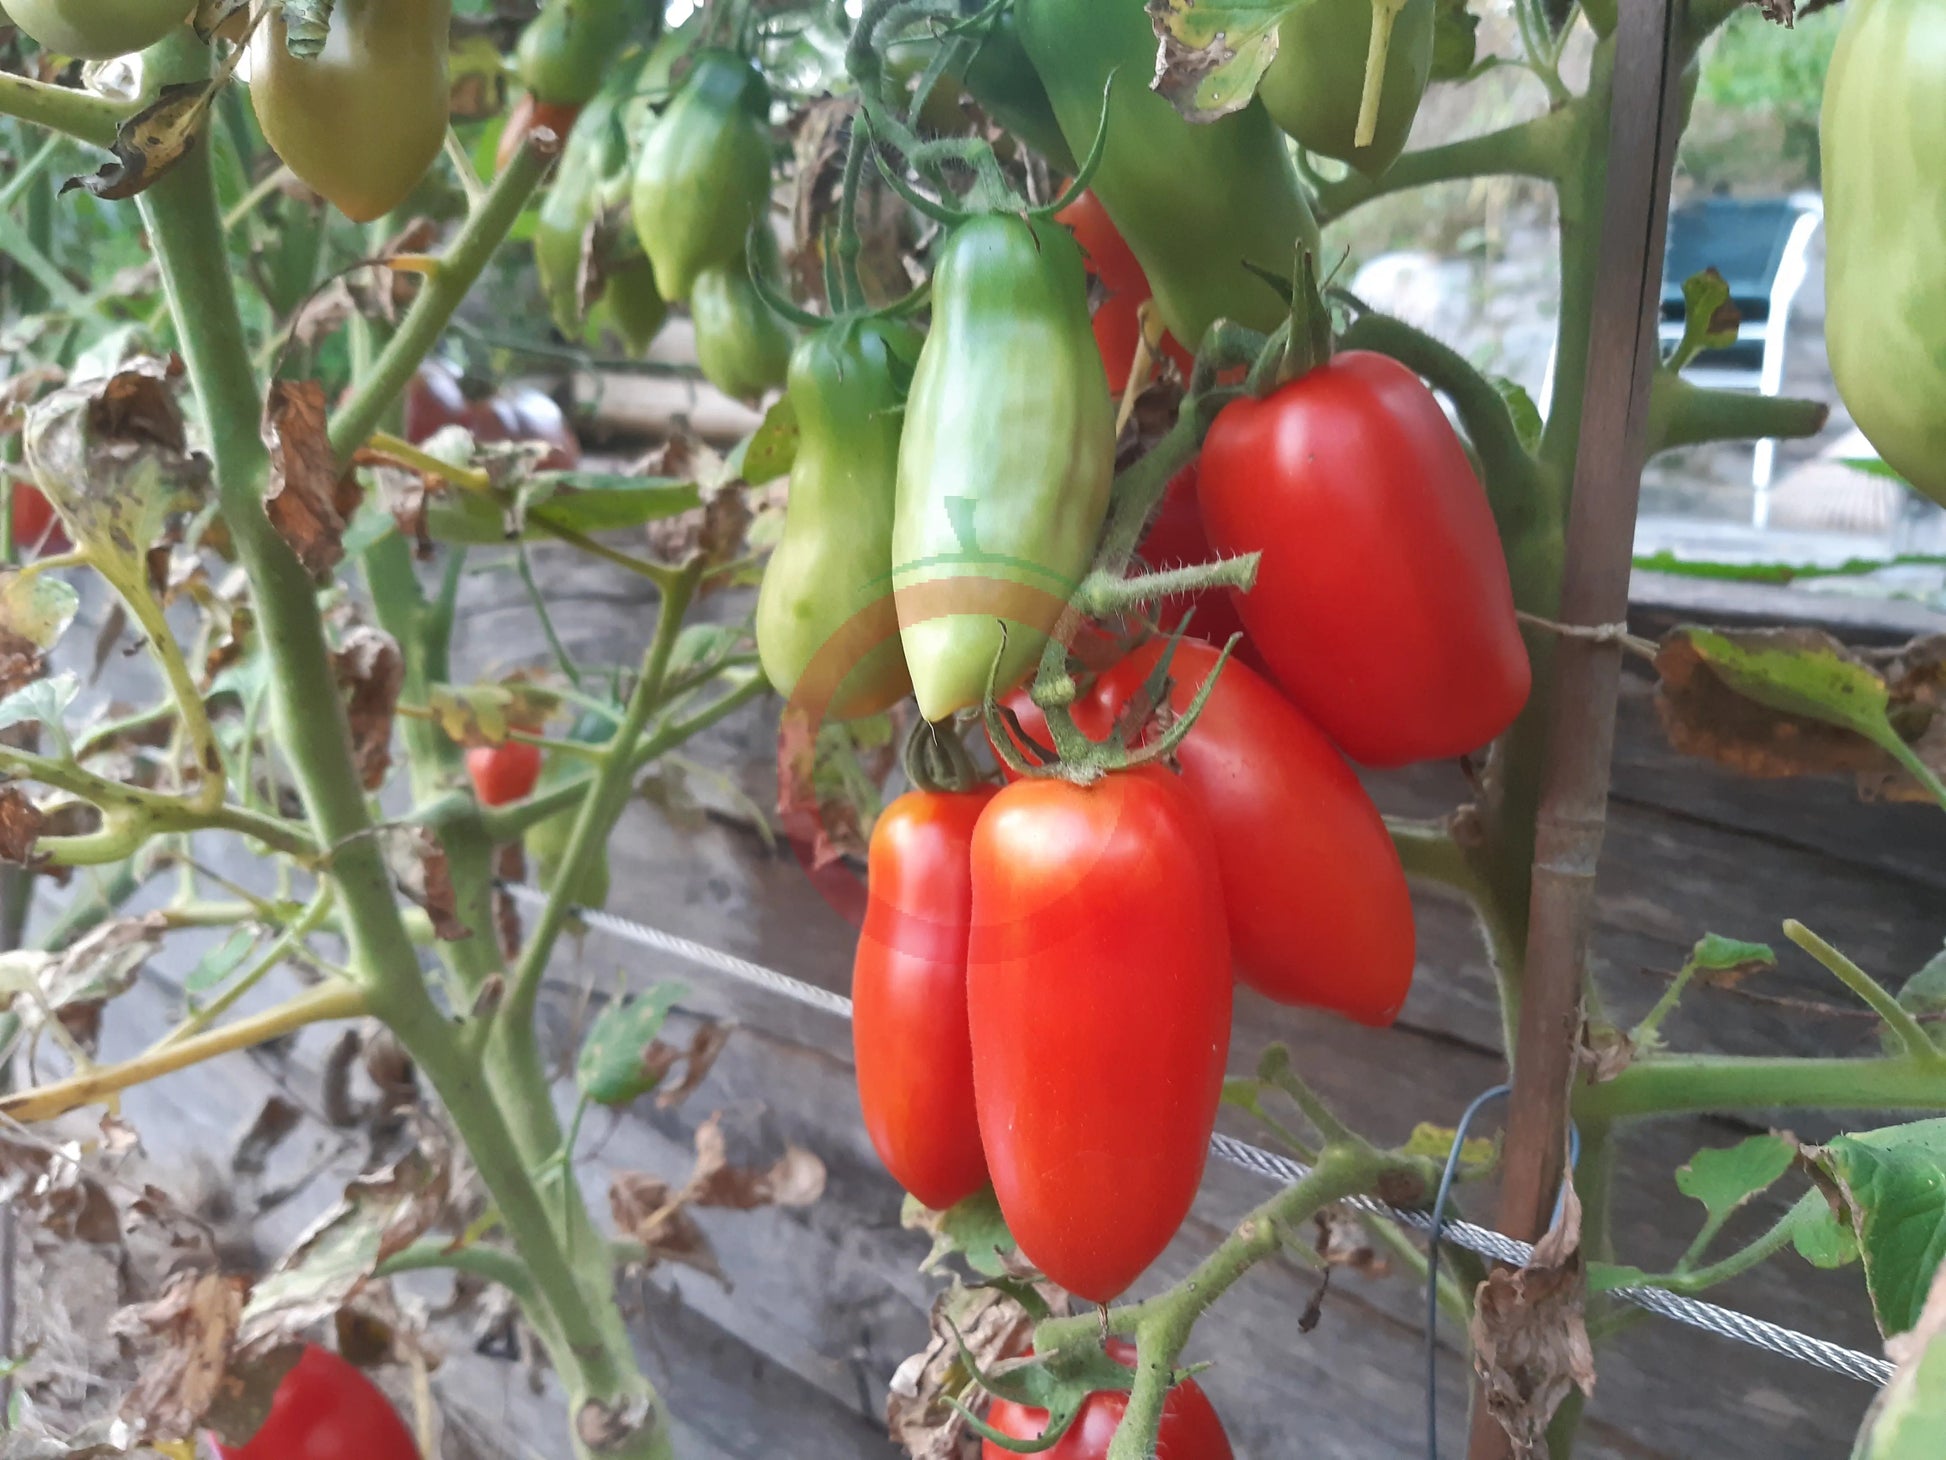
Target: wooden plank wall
{"x": 793, "y": 1357}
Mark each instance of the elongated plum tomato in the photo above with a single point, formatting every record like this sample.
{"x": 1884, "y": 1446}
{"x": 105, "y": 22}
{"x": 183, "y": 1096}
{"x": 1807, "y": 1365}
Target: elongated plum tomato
{"x": 908, "y": 990}
{"x": 326, "y": 1410}
{"x": 1098, "y": 1000}
{"x": 95, "y": 30}
{"x": 1318, "y": 908}
{"x": 503, "y": 772}
{"x": 1190, "y": 1429}
{"x": 362, "y": 120}
{"x": 1382, "y": 604}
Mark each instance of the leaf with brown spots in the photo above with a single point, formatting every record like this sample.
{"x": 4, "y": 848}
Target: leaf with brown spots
{"x": 1530, "y": 1343}
{"x": 309, "y": 500}
{"x": 370, "y": 672}
{"x": 151, "y": 142}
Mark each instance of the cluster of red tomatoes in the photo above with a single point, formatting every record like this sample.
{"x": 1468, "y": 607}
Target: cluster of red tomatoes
{"x": 1043, "y": 984}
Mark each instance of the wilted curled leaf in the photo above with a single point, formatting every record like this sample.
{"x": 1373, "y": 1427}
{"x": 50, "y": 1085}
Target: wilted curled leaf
{"x": 309, "y": 499}
{"x": 705, "y": 1044}
{"x": 149, "y": 143}
{"x": 370, "y": 671}
{"x": 185, "y": 1336}
{"x": 113, "y": 458}
{"x": 644, "y": 1207}
{"x": 419, "y": 867}
{"x": 482, "y": 714}
{"x": 993, "y": 1327}
{"x": 796, "y": 1179}
{"x": 1530, "y": 1343}
{"x": 382, "y": 1212}
{"x": 1343, "y": 1241}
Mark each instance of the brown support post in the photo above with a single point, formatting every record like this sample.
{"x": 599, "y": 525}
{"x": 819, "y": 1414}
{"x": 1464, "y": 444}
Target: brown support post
{"x": 1644, "y": 127}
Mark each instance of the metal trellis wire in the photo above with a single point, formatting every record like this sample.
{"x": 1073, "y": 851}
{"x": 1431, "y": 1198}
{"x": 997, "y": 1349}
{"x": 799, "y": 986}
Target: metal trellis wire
{"x": 1693, "y": 1312}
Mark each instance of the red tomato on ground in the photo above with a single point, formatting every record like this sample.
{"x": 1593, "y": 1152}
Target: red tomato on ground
{"x": 504, "y": 772}
{"x": 1382, "y": 606}
{"x": 1318, "y": 908}
{"x": 437, "y": 398}
{"x": 35, "y": 527}
{"x": 326, "y": 1410}
{"x": 1098, "y": 999}
{"x": 1176, "y": 539}
{"x": 908, "y": 989}
{"x": 1190, "y": 1429}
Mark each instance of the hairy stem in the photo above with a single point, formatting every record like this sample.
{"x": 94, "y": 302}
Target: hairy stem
{"x": 78, "y": 114}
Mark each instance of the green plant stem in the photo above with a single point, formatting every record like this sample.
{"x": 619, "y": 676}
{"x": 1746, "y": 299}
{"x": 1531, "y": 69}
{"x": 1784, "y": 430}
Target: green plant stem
{"x": 1910, "y": 1033}
{"x": 459, "y": 268}
{"x": 1428, "y": 849}
{"x": 1673, "y": 1084}
{"x": 495, "y": 1264}
{"x": 78, "y": 114}
{"x": 1701, "y": 1279}
{"x": 1537, "y": 148}
{"x": 504, "y": 823}
{"x": 180, "y": 211}
{"x": 337, "y": 1000}
{"x": 19, "y": 246}
{"x": 291, "y": 938}
{"x": 602, "y": 802}
{"x": 1682, "y": 414}
{"x": 1161, "y": 1325}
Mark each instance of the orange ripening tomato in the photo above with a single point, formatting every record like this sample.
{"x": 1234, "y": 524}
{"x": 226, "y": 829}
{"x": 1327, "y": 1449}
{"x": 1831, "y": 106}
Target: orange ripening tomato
{"x": 908, "y": 990}
{"x": 1382, "y": 604}
{"x": 1190, "y": 1429}
{"x": 1317, "y": 903}
{"x": 1098, "y": 1000}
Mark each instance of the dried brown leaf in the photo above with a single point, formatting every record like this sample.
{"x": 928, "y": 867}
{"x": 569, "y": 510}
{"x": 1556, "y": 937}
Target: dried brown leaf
{"x": 993, "y": 1327}
{"x": 1343, "y": 1241}
{"x": 705, "y": 1044}
{"x": 149, "y": 143}
{"x": 309, "y": 500}
{"x": 795, "y": 1179}
{"x": 273, "y": 1123}
{"x": 645, "y": 1208}
{"x": 21, "y": 823}
{"x": 21, "y": 662}
{"x": 371, "y": 672}
{"x": 1530, "y": 1344}
{"x": 20, "y": 390}
{"x": 185, "y": 1336}
{"x": 1605, "y": 1052}
{"x": 420, "y": 869}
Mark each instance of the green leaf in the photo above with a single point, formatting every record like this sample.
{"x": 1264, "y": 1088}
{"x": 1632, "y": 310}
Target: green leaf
{"x": 1907, "y": 1419}
{"x": 1455, "y": 41}
{"x": 1667, "y": 561}
{"x": 1819, "y": 1235}
{"x": 611, "y": 1069}
{"x": 1214, "y": 52}
{"x": 45, "y": 701}
{"x": 973, "y": 1228}
{"x": 772, "y": 447}
{"x": 600, "y": 502}
{"x": 1717, "y": 954}
{"x": 1925, "y": 991}
{"x": 1810, "y": 678}
{"x": 221, "y": 961}
{"x": 1709, "y": 320}
{"x": 1520, "y": 405}
{"x": 1893, "y": 1182}
{"x": 1724, "y": 1179}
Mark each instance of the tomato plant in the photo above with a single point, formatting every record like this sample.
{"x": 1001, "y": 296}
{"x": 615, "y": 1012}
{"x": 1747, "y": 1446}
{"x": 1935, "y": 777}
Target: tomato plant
{"x": 1098, "y": 998}
{"x": 327, "y": 1410}
{"x": 908, "y": 990}
{"x": 1189, "y": 1430}
{"x": 1383, "y": 605}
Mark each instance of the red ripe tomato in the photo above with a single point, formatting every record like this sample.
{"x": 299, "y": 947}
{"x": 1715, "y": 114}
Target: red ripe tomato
{"x": 908, "y": 989}
{"x": 1190, "y": 1429}
{"x": 526, "y": 116}
{"x": 437, "y": 398}
{"x": 35, "y": 527}
{"x": 1382, "y": 605}
{"x": 1109, "y": 258}
{"x": 504, "y": 772}
{"x": 1318, "y": 908}
{"x": 1176, "y": 539}
{"x": 1098, "y": 999}
{"x": 326, "y": 1410}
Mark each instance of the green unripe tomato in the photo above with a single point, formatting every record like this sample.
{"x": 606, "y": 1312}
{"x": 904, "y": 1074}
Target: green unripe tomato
{"x": 567, "y": 48}
{"x": 1314, "y": 87}
{"x": 744, "y": 349}
{"x": 95, "y": 30}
